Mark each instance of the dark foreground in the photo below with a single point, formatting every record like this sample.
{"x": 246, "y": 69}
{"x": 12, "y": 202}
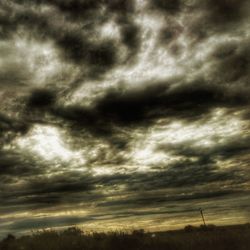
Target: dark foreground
{"x": 203, "y": 238}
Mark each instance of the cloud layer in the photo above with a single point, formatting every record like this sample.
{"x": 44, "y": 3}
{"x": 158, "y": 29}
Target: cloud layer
{"x": 113, "y": 111}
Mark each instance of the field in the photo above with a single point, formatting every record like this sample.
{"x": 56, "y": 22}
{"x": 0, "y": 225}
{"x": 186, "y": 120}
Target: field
{"x": 191, "y": 238}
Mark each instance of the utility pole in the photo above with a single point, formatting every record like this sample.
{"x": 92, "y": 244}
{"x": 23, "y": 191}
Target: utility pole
{"x": 202, "y": 216}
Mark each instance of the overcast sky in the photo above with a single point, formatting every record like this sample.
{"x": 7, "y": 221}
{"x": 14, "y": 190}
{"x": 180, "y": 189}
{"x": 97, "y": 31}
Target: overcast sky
{"x": 124, "y": 114}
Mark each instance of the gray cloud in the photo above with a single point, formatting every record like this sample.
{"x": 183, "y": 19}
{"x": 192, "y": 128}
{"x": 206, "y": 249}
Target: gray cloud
{"x": 122, "y": 110}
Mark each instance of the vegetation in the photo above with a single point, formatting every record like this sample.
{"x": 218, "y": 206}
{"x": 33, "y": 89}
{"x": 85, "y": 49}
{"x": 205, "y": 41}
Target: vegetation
{"x": 191, "y": 238}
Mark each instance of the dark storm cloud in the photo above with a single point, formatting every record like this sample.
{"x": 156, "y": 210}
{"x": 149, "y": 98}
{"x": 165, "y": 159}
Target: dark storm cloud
{"x": 225, "y": 12}
{"x": 77, "y": 9}
{"x": 183, "y": 174}
{"x": 41, "y": 191}
{"x": 217, "y": 17}
{"x": 106, "y": 131}
{"x": 12, "y": 18}
{"x": 12, "y": 75}
{"x": 16, "y": 164}
{"x": 10, "y": 165}
{"x": 79, "y": 50}
{"x": 74, "y": 44}
{"x": 233, "y": 58}
{"x": 70, "y": 183}
{"x": 10, "y": 128}
{"x": 76, "y": 39}
{"x": 143, "y": 106}
{"x": 71, "y": 189}
{"x": 12, "y": 72}
{"x": 40, "y": 98}
{"x": 170, "y": 7}
{"x": 154, "y": 199}
{"x": 209, "y": 14}
{"x": 170, "y": 33}
{"x": 231, "y": 148}
{"x": 6, "y": 123}
{"x": 130, "y": 34}
{"x": 83, "y": 9}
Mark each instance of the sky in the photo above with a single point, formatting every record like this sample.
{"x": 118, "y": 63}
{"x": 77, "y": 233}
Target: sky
{"x": 117, "y": 115}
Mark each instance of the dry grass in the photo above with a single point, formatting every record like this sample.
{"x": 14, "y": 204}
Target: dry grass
{"x": 191, "y": 238}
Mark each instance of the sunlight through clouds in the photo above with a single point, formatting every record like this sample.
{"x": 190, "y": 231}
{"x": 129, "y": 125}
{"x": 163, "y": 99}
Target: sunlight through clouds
{"x": 48, "y": 143}
{"x": 120, "y": 113}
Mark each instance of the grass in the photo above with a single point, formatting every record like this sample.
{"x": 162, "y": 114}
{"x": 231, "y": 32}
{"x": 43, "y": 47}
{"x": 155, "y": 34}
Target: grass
{"x": 190, "y": 238}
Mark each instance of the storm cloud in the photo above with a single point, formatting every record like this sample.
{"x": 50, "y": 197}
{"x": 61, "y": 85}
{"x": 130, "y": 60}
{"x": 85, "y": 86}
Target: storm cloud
{"x": 120, "y": 111}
